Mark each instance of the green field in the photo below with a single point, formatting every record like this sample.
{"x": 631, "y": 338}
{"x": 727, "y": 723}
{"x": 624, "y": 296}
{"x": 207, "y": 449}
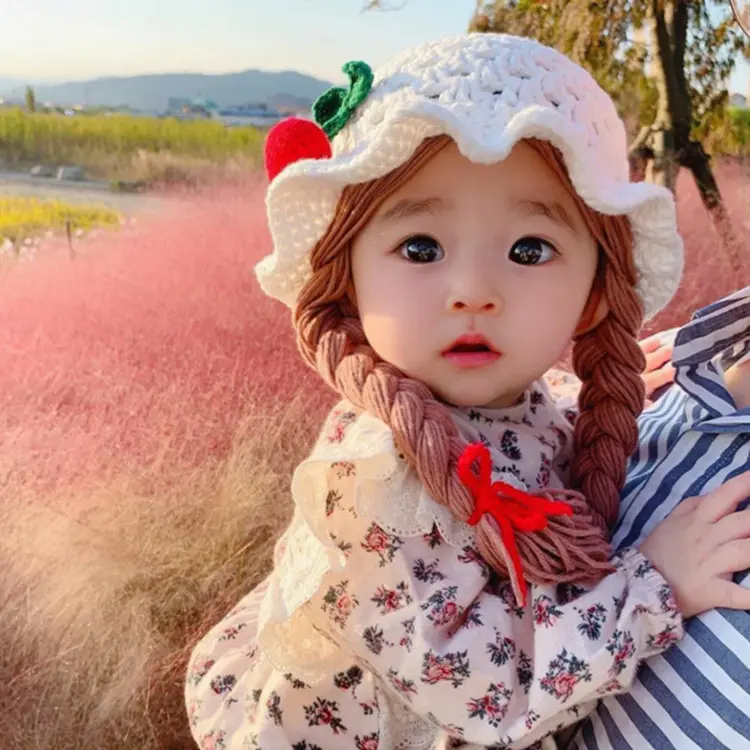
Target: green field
{"x": 123, "y": 147}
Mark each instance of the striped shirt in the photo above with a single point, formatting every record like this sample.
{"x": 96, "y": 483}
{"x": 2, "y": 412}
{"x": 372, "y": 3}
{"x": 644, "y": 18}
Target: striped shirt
{"x": 696, "y": 696}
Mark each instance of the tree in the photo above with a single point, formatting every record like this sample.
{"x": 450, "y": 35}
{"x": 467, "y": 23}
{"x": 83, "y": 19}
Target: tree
{"x": 30, "y": 99}
{"x": 741, "y": 10}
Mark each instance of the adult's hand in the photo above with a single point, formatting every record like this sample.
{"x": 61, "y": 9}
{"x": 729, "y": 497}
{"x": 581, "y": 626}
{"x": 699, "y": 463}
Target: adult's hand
{"x": 701, "y": 544}
{"x": 659, "y": 370}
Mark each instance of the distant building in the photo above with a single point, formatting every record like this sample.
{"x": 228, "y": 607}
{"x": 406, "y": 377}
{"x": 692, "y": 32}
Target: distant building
{"x": 206, "y": 105}
{"x": 258, "y": 115}
{"x": 191, "y": 109}
{"x": 290, "y": 105}
{"x": 254, "y": 115}
{"x": 738, "y": 101}
{"x": 177, "y": 104}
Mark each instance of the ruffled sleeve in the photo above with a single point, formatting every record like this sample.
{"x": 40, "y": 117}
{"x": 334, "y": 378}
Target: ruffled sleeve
{"x": 216, "y": 687}
{"x": 355, "y": 457}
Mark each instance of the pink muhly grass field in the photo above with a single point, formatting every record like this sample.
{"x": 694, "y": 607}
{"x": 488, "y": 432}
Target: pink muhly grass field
{"x": 152, "y": 408}
{"x": 708, "y": 274}
{"x": 159, "y": 339}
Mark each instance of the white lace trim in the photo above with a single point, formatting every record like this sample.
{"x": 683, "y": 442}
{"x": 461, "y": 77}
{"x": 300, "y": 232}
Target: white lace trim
{"x": 386, "y": 492}
{"x": 389, "y": 493}
{"x": 285, "y": 635}
{"x": 402, "y": 729}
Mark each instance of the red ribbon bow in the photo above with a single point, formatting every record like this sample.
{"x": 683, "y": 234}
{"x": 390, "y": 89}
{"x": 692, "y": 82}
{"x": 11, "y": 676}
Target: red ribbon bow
{"x": 512, "y": 509}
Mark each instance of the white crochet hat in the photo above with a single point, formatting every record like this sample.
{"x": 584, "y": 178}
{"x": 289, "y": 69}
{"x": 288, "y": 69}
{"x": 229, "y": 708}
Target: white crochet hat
{"x": 487, "y": 92}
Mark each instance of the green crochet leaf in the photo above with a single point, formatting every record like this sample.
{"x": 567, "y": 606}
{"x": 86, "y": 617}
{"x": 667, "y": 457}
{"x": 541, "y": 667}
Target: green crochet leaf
{"x": 334, "y": 108}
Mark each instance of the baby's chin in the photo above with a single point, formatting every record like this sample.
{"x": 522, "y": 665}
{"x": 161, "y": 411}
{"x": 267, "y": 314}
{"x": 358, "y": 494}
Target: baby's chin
{"x": 486, "y": 388}
{"x": 473, "y": 398}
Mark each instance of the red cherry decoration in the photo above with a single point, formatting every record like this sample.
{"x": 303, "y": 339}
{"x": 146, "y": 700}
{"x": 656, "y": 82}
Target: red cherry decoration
{"x": 291, "y": 140}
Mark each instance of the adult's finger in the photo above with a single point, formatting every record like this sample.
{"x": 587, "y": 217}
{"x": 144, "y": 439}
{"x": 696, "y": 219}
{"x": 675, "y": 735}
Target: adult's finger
{"x": 652, "y": 343}
{"x": 725, "y": 499}
{"x": 731, "y": 595}
{"x": 732, "y": 557}
{"x": 658, "y": 378}
{"x": 659, "y": 357}
{"x": 731, "y": 527}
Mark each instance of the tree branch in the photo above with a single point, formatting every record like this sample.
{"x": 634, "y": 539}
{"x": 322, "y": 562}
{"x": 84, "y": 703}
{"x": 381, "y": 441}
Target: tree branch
{"x": 383, "y": 6}
{"x": 640, "y": 140}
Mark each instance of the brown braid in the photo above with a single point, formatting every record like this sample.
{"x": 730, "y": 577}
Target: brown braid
{"x": 609, "y": 363}
{"x": 332, "y": 339}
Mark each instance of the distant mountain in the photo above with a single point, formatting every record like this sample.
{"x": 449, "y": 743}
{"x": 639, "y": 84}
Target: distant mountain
{"x": 7, "y": 83}
{"x": 152, "y": 92}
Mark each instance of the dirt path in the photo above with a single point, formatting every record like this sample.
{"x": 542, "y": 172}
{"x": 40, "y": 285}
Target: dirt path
{"x": 79, "y": 192}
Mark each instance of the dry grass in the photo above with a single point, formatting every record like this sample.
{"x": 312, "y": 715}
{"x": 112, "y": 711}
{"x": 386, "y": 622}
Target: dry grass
{"x": 152, "y": 406}
{"x": 165, "y": 169}
{"x": 98, "y": 615}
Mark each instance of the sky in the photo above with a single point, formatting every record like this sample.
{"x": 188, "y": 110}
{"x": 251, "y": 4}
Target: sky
{"x": 81, "y": 39}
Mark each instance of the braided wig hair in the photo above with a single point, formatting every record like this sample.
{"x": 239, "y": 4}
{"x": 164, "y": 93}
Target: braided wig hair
{"x": 606, "y": 358}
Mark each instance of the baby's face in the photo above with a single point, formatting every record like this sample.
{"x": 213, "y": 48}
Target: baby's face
{"x": 495, "y": 253}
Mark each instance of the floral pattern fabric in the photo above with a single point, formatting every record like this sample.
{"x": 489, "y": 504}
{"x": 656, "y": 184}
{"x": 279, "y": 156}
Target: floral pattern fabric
{"x": 564, "y": 387}
{"x": 436, "y": 654}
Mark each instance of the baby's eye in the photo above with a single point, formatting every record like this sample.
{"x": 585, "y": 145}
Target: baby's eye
{"x": 422, "y": 249}
{"x": 531, "y": 251}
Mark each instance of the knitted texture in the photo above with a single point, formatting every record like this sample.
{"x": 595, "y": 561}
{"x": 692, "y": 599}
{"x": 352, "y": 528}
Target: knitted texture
{"x": 292, "y": 140}
{"x": 331, "y": 337}
{"x": 487, "y": 92}
{"x": 335, "y": 107}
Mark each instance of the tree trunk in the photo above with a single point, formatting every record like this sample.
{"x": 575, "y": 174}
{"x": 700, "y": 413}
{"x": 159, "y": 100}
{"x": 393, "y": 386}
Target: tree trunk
{"x": 673, "y": 145}
{"x": 664, "y": 168}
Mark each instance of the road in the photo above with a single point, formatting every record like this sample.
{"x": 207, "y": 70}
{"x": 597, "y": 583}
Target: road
{"x": 13, "y": 183}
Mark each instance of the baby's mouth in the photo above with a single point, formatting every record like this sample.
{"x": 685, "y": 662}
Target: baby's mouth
{"x": 471, "y": 350}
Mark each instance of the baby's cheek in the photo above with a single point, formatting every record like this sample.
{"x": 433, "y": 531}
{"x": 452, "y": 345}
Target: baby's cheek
{"x": 390, "y": 337}
{"x": 409, "y": 342}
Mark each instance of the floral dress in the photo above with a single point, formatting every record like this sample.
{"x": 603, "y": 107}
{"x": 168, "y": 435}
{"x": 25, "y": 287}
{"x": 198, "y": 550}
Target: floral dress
{"x": 381, "y": 627}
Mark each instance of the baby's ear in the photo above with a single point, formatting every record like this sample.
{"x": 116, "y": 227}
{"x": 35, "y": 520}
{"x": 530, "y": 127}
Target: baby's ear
{"x": 594, "y": 313}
